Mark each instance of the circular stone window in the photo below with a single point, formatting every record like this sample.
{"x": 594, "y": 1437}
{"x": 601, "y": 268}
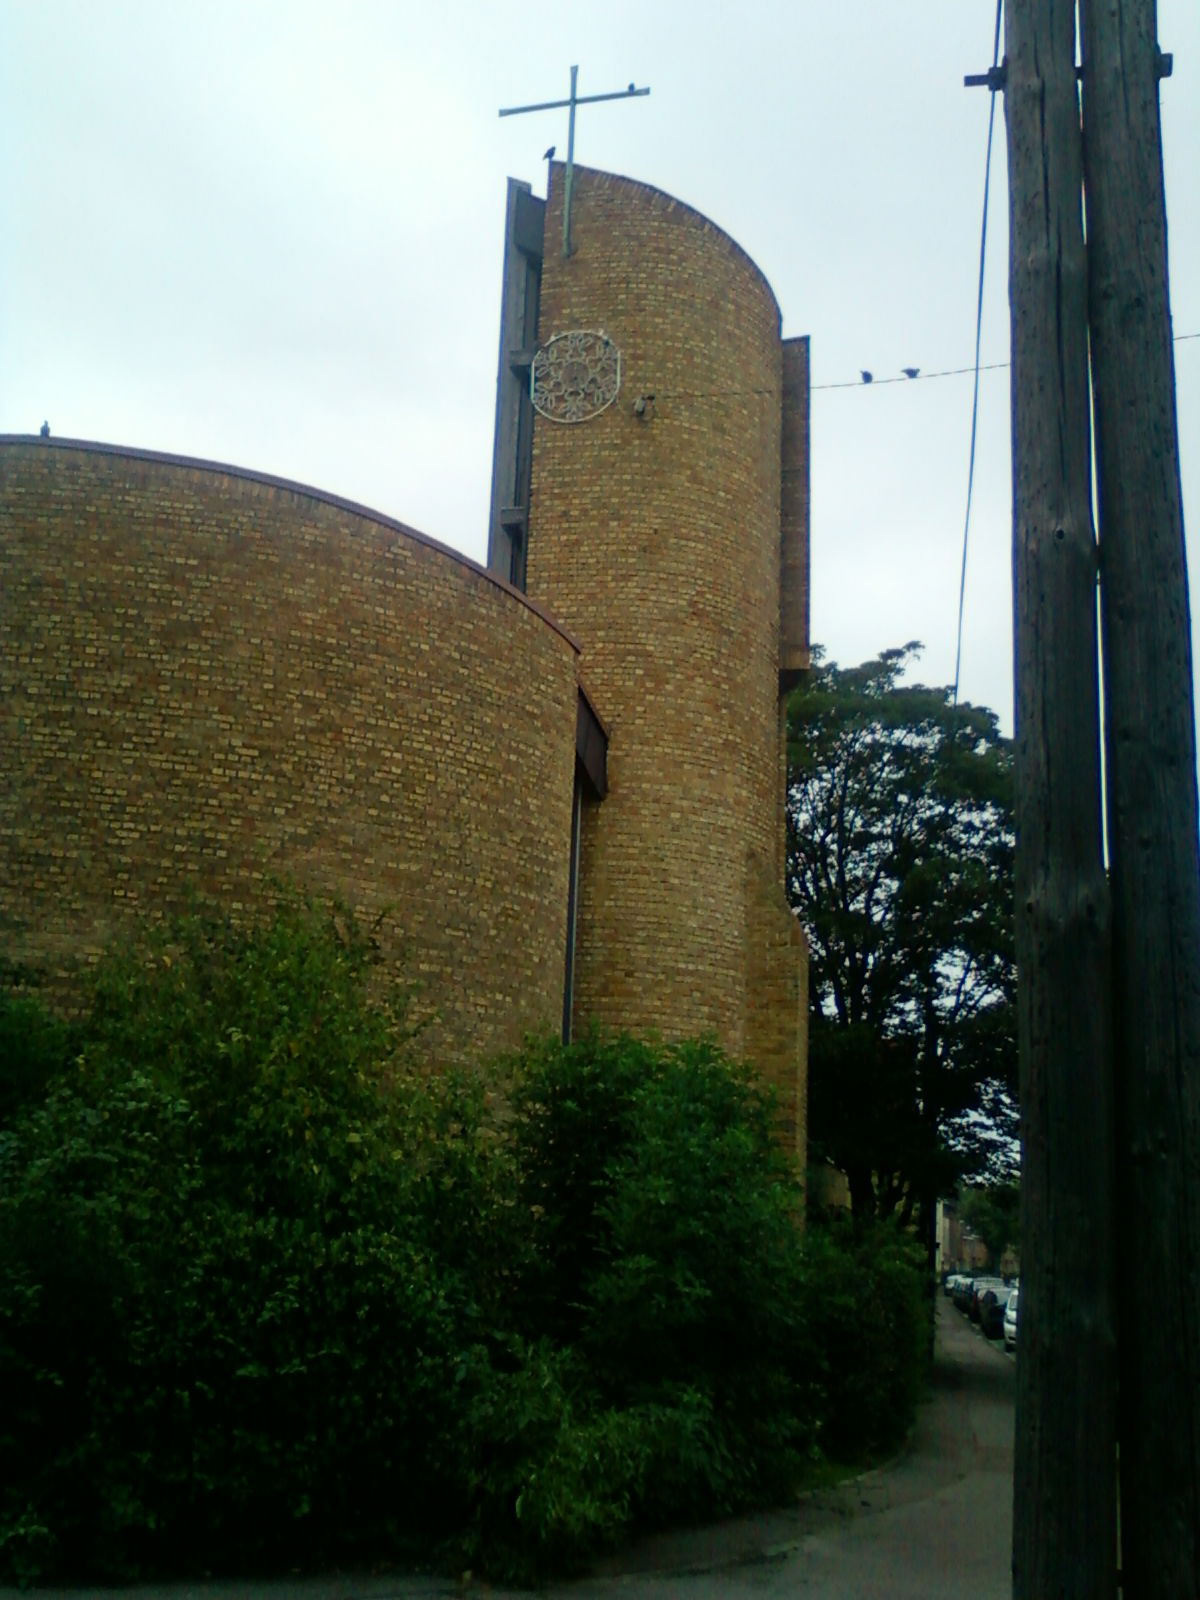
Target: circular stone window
{"x": 575, "y": 376}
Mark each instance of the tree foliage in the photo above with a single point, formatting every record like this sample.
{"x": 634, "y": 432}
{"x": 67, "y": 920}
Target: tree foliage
{"x": 272, "y": 1294}
{"x": 221, "y": 1319}
{"x": 993, "y": 1214}
{"x": 900, "y": 841}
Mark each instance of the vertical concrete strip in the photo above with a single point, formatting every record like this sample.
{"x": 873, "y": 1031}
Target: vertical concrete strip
{"x": 794, "y": 514}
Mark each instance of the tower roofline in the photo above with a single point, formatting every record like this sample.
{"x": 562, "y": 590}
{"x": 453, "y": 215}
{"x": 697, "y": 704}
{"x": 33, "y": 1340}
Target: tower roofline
{"x": 670, "y": 203}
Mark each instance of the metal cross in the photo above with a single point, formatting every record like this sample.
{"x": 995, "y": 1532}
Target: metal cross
{"x": 555, "y": 105}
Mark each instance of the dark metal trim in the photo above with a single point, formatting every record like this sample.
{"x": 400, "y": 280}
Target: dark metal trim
{"x": 512, "y": 451}
{"x": 591, "y": 746}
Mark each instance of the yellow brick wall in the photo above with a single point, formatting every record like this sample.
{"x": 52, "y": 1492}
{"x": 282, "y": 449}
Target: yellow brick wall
{"x": 211, "y": 677}
{"x": 657, "y": 540}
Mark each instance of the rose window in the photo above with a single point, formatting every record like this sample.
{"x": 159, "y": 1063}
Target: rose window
{"x": 575, "y": 376}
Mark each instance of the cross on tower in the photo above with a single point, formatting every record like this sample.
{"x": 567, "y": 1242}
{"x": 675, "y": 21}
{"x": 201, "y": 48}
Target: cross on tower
{"x": 573, "y": 101}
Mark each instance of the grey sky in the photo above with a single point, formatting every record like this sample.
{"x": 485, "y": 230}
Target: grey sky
{"x": 268, "y": 232}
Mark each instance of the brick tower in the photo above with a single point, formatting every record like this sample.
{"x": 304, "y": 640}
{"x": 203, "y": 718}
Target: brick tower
{"x": 651, "y": 491}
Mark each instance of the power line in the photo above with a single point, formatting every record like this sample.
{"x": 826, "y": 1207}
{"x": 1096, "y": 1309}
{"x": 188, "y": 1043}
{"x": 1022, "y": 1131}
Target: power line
{"x": 987, "y": 179}
{"x": 950, "y": 372}
{"x": 856, "y": 383}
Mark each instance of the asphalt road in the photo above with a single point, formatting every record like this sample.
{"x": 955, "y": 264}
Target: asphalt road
{"x": 934, "y": 1525}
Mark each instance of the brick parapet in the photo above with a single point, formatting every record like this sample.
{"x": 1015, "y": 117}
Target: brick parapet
{"x": 362, "y": 515}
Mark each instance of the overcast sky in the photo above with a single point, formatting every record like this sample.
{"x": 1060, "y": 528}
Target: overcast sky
{"x": 268, "y": 232}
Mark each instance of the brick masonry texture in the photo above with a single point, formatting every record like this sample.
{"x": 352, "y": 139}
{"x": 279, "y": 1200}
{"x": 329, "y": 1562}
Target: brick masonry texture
{"x": 212, "y": 678}
{"x": 658, "y": 539}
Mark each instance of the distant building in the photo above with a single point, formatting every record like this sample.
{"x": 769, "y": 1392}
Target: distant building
{"x": 564, "y": 773}
{"x": 958, "y": 1249}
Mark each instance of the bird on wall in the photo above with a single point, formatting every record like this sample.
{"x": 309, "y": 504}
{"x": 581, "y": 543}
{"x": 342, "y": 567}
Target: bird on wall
{"x": 868, "y": 377}
{"x": 45, "y": 430}
{"x": 549, "y": 156}
{"x": 911, "y": 372}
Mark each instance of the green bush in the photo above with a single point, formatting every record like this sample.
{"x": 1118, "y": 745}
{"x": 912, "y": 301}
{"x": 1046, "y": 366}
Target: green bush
{"x": 867, "y": 1290}
{"x": 223, "y": 1304}
{"x": 270, "y": 1293}
{"x": 34, "y": 1046}
{"x": 683, "y": 1263}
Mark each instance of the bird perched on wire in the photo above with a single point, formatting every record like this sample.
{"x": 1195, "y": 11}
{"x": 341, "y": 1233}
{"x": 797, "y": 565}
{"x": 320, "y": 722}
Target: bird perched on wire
{"x": 868, "y": 377}
{"x": 45, "y": 430}
{"x": 911, "y": 372}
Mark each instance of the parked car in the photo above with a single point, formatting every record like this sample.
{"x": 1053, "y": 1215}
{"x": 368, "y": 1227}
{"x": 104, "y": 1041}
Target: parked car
{"x": 962, "y": 1292}
{"x": 1010, "y": 1320}
{"x": 979, "y": 1288}
{"x": 993, "y": 1303}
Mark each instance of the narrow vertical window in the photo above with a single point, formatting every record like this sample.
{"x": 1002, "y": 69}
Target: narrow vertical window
{"x": 572, "y": 904}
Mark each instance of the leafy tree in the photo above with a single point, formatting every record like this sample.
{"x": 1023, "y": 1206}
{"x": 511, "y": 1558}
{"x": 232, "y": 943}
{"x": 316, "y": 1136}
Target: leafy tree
{"x": 34, "y": 1045}
{"x": 228, "y": 1329}
{"x": 900, "y": 840}
{"x": 993, "y": 1214}
{"x": 273, "y": 1293}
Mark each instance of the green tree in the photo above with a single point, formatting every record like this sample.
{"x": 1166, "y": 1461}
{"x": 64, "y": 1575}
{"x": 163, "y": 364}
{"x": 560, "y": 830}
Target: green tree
{"x": 993, "y": 1214}
{"x": 900, "y": 840}
{"x": 34, "y": 1045}
{"x": 275, "y": 1294}
{"x": 229, "y": 1330}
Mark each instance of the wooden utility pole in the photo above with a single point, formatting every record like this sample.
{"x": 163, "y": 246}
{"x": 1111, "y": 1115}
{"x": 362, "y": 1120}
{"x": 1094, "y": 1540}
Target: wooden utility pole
{"x": 1152, "y": 806}
{"x": 1064, "y": 1540}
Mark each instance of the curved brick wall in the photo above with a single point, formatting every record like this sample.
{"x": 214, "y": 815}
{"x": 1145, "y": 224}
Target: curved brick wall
{"x": 212, "y": 677}
{"x": 657, "y": 540}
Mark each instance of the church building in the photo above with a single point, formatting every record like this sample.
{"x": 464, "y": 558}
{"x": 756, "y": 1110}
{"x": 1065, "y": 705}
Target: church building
{"x": 561, "y": 775}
